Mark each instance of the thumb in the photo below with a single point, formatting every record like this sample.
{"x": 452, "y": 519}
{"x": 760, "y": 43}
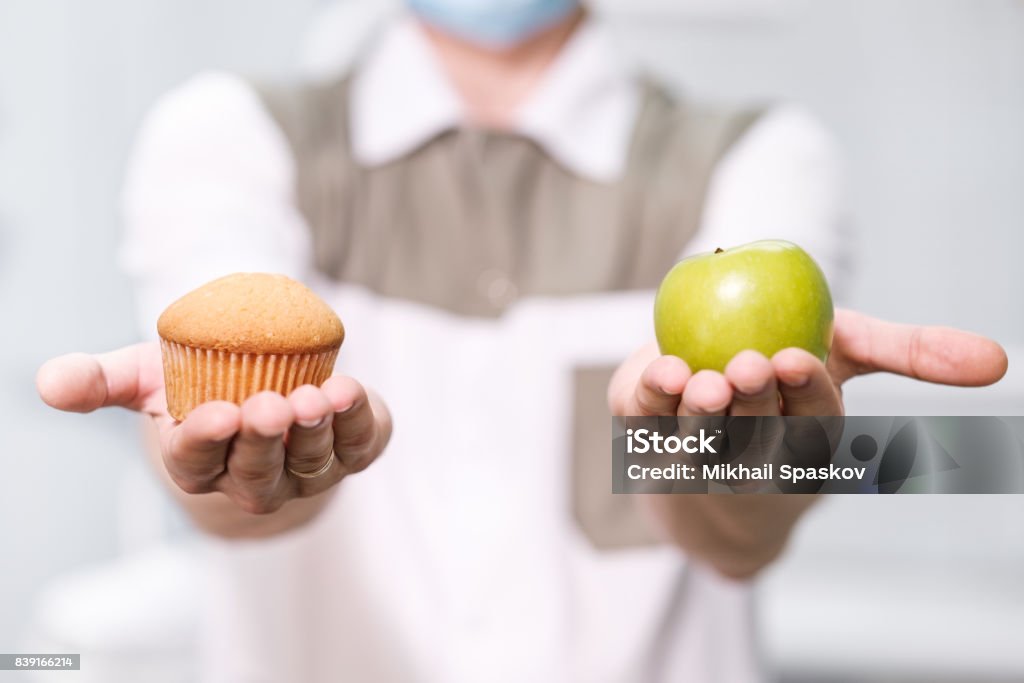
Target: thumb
{"x": 81, "y": 383}
{"x": 932, "y": 354}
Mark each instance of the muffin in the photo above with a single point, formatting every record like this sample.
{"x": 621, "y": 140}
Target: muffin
{"x": 242, "y": 334}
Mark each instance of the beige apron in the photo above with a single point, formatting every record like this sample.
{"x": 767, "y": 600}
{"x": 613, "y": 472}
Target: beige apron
{"x": 473, "y": 220}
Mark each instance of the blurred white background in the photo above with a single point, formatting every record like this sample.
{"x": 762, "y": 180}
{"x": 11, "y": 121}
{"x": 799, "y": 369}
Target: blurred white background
{"x": 927, "y": 98}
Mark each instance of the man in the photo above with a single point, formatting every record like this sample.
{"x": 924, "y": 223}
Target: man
{"x": 487, "y": 200}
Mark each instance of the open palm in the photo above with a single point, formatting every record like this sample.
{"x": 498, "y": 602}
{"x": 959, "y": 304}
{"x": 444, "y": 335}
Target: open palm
{"x": 261, "y": 454}
{"x": 752, "y": 384}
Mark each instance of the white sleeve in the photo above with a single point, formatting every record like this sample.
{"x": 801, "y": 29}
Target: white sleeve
{"x": 782, "y": 180}
{"x": 209, "y": 191}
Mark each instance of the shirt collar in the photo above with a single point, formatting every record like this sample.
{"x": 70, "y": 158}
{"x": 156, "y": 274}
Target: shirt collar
{"x": 581, "y": 113}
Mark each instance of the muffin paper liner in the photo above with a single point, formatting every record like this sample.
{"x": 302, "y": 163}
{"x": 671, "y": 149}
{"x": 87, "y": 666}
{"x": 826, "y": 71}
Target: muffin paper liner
{"x": 193, "y": 376}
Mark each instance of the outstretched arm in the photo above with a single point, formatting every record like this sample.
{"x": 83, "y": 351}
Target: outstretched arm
{"x": 740, "y": 534}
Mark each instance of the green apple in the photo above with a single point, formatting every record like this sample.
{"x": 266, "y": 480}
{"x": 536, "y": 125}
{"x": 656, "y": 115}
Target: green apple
{"x": 766, "y": 296}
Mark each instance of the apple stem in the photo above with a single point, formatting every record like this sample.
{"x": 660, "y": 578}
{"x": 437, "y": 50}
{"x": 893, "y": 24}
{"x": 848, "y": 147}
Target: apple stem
{"x": 719, "y": 250}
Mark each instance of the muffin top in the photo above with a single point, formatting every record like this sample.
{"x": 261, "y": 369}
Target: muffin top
{"x": 252, "y": 313}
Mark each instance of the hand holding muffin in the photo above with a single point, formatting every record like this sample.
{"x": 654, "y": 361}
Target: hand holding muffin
{"x": 256, "y": 426}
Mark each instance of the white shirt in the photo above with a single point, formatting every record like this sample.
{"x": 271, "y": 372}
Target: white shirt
{"x": 455, "y": 557}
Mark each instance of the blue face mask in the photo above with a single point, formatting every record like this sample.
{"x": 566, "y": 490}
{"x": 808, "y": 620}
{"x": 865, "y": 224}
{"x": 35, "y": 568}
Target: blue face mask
{"x": 498, "y": 23}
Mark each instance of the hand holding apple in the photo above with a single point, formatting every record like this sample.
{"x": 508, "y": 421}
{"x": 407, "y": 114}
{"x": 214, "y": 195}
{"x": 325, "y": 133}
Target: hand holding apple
{"x": 793, "y": 382}
{"x": 748, "y": 331}
{"x": 738, "y": 535}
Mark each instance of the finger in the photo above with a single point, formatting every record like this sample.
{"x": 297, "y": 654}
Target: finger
{"x": 357, "y": 436}
{"x": 805, "y": 385}
{"x": 659, "y": 388}
{"x": 196, "y": 449}
{"x": 311, "y": 439}
{"x": 256, "y": 459}
{"x": 622, "y": 386}
{"x": 707, "y": 393}
{"x": 81, "y": 383}
{"x": 932, "y": 354}
{"x": 753, "y": 383}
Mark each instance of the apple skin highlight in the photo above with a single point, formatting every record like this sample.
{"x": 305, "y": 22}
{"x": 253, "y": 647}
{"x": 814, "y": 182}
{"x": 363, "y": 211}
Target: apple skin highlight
{"x": 766, "y": 296}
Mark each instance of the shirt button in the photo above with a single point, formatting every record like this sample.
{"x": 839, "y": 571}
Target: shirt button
{"x": 497, "y": 288}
